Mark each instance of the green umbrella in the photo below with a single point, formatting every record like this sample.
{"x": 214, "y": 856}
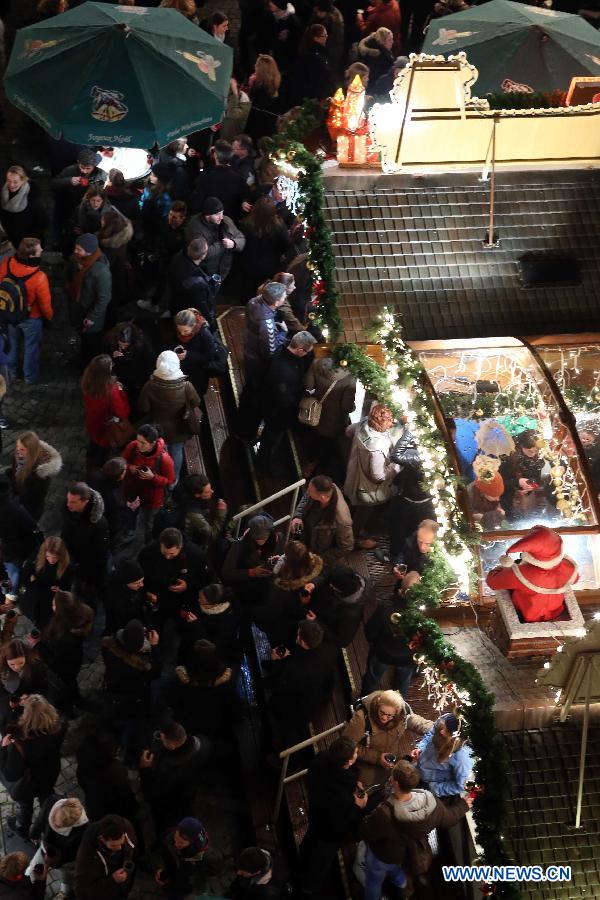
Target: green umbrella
{"x": 119, "y": 75}
{"x": 517, "y": 47}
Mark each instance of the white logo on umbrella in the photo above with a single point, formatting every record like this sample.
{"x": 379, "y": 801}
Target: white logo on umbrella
{"x": 450, "y": 36}
{"x": 594, "y": 59}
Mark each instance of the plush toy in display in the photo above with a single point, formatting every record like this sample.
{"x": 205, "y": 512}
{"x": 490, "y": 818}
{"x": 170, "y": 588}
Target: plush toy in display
{"x": 539, "y": 580}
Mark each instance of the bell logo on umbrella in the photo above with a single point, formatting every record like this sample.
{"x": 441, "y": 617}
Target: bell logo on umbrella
{"x": 205, "y": 62}
{"x": 450, "y": 36}
{"x": 32, "y": 48}
{"x": 107, "y": 106}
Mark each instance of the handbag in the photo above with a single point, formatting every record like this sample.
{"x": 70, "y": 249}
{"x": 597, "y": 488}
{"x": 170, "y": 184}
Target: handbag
{"x": 219, "y": 365}
{"x": 118, "y": 433}
{"x": 310, "y": 409}
{"x": 370, "y": 493}
{"x": 191, "y": 416}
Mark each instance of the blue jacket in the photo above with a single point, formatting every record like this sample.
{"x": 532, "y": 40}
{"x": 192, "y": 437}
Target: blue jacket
{"x": 444, "y": 779}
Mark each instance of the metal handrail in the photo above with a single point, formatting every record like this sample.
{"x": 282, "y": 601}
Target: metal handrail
{"x": 290, "y": 489}
{"x": 284, "y": 778}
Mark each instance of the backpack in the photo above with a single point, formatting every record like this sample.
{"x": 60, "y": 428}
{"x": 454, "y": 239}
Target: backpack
{"x": 14, "y": 307}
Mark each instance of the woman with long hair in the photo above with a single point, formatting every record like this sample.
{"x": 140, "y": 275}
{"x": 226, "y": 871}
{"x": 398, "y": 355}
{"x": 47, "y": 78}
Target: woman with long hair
{"x": 311, "y": 76}
{"x": 114, "y": 235}
{"x": 21, "y": 672}
{"x": 30, "y": 758}
{"x": 132, "y": 358}
{"x": 120, "y": 197}
{"x": 443, "y": 757}
{"x": 90, "y": 211}
{"x": 264, "y": 92}
{"x": 21, "y": 212}
{"x": 48, "y": 571}
{"x": 35, "y": 463}
{"x": 156, "y": 200}
{"x": 196, "y": 347}
{"x": 61, "y": 643}
{"x": 104, "y": 400}
{"x": 267, "y": 239}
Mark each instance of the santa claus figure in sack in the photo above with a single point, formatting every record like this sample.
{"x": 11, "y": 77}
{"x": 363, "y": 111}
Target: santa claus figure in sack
{"x": 539, "y": 580}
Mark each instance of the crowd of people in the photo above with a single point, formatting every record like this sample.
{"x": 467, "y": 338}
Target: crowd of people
{"x": 145, "y": 557}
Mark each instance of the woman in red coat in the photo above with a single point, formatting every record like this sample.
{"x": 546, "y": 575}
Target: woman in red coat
{"x": 150, "y": 471}
{"x": 103, "y": 399}
{"x": 382, "y": 14}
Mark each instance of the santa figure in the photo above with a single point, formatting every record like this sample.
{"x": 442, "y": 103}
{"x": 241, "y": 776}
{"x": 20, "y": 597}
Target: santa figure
{"x": 539, "y": 580}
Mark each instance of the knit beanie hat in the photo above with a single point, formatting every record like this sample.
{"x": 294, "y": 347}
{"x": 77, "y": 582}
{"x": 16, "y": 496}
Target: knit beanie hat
{"x": 255, "y": 861}
{"x": 193, "y": 830}
{"x": 132, "y": 636}
{"x": 163, "y": 171}
{"x": 167, "y": 366}
{"x": 129, "y": 570}
{"x": 87, "y": 242}
{"x": 344, "y": 579}
{"x": 451, "y": 722}
{"x": 492, "y": 487}
{"x": 261, "y": 527}
{"x": 211, "y": 206}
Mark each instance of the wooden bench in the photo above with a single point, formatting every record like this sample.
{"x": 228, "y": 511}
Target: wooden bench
{"x": 192, "y": 453}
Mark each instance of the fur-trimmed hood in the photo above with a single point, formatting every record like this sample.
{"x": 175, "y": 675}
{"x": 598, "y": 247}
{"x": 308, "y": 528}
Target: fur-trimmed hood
{"x": 50, "y": 462}
{"x": 294, "y": 584}
{"x": 135, "y": 660}
{"x": 118, "y": 238}
{"x": 92, "y": 513}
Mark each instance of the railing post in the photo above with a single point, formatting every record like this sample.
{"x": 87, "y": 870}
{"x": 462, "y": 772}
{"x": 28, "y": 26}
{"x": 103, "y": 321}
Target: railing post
{"x": 282, "y": 776}
{"x": 292, "y": 508}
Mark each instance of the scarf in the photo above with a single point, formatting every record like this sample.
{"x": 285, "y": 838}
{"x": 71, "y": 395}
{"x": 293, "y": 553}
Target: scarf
{"x": 200, "y": 323}
{"x": 18, "y": 201}
{"x": 82, "y": 264}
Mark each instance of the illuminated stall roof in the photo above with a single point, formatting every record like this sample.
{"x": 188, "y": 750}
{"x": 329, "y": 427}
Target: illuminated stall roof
{"x": 527, "y": 439}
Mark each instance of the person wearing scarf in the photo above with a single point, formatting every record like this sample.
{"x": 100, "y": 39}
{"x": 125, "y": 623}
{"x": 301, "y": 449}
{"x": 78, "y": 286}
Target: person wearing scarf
{"x": 196, "y": 347}
{"x": 89, "y": 283}
{"x": 21, "y": 211}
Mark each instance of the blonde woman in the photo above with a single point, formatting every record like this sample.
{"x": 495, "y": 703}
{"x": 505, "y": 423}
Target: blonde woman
{"x": 35, "y": 463}
{"x": 45, "y": 573}
{"x": 30, "y": 758}
{"x": 59, "y": 827}
{"x": 21, "y": 211}
{"x": 263, "y": 91}
{"x": 187, "y": 8}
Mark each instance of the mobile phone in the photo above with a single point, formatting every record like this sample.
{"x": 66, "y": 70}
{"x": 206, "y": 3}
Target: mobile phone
{"x": 39, "y": 869}
{"x": 360, "y": 793}
{"x": 129, "y": 867}
{"x": 34, "y": 633}
{"x": 391, "y": 758}
{"x": 179, "y": 348}
{"x": 280, "y": 650}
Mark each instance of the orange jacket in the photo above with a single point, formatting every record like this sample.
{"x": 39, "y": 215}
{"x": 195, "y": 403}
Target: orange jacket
{"x": 37, "y": 287}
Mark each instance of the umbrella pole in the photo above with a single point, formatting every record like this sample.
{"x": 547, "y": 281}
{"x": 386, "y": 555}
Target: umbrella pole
{"x": 491, "y": 241}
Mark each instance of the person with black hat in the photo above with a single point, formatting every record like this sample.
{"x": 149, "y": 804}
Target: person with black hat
{"x": 89, "y": 284}
{"x": 125, "y": 598}
{"x": 256, "y": 877}
{"x": 222, "y": 236}
{"x": 339, "y": 604}
{"x": 182, "y": 853}
{"x": 249, "y": 562}
{"x": 71, "y": 184}
{"x": 222, "y": 181}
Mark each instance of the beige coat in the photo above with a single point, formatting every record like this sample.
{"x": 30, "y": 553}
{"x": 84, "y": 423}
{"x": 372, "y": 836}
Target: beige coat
{"x": 373, "y": 740}
{"x": 369, "y": 465}
{"x": 323, "y": 536}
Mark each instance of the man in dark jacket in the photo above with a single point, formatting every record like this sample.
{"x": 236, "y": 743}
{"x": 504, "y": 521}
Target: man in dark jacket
{"x": 85, "y": 532}
{"x": 71, "y": 184}
{"x": 191, "y": 285}
{"x": 385, "y": 647}
{"x": 222, "y": 236}
{"x": 263, "y": 338}
{"x": 169, "y": 774}
{"x": 335, "y": 808}
{"x": 396, "y": 831}
{"x": 222, "y": 181}
{"x": 99, "y": 870}
{"x": 19, "y": 532}
{"x": 283, "y": 389}
{"x": 174, "y": 571}
{"x": 125, "y": 598}
{"x": 302, "y": 680}
{"x": 339, "y": 604}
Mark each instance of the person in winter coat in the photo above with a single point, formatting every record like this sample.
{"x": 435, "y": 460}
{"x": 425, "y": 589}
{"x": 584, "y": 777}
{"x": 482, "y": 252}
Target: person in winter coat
{"x": 267, "y": 240}
{"x": 257, "y": 877}
{"x": 119, "y": 512}
{"x": 125, "y": 598}
{"x": 370, "y": 472}
{"x": 167, "y": 397}
{"x": 156, "y": 200}
{"x": 203, "y": 516}
{"x": 311, "y": 76}
{"x": 104, "y": 401}
{"x": 325, "y": 13}
{"x": 203, "y": 694}
{"x": 191, "y": 284}
{"x": 444, "y": 761}
{"x": 90, "y": 211}
{"x": 59, "y": 827}
{"x": 379, "y": 726}
{"x": 247, "y": 567}
{"x": 281, "y": 33}
{"x": 196, "y": 347}
{"x": 89, "y": 283}
{"x": 212, "y": 617}
{"x": 264, "y": 91}
{"x": 26, "y": 265}
{"x": 338, "y": 604}
{"x": 114, "y": 235}
{"x": 413, "y": 555}
{"x": 47, "y": 571}
{"x": 99, "y": 868}
{"x": 382, "y": 14}
{"x": 220, "y": 233}
{"x": 14, "y": 885}
{"x": 71, "y": 184}
{"x": 220, "y": 180}
{"x": 22, "y": 672}
{"x": 376, "y": 52}
{"x": 182, "y": 852}
{"x": 396, "y": 831}
{"x": 385, "y": 647}
{"x": 169, "y": 774}
{"x": 335, "y": 810}
{"x": 150, "y": 468}
{"x": 21, "y": 210}
{"x": 335, "y": 389}
{"x": 322, "y": 519}
{"x": 408, "y": 508}
{"x": 299, "y": 572}
{"x": 35, "y": 463}
{"x": 104, "y": 779}
{"x": 120, "y": 197}
{"x": 61, "y": 642}
{"x": 85, "y": 532}
{"x": 30, "y": 758}
{"x": 19, "y": 533}
{"x": 174, "y": 572}
{"x": 132, "y": 358}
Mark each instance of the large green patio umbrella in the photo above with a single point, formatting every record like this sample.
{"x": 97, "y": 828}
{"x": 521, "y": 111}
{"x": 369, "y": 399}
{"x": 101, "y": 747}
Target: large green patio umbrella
{"x": 119, "y": 75}
{"x": 518, "y": 47}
